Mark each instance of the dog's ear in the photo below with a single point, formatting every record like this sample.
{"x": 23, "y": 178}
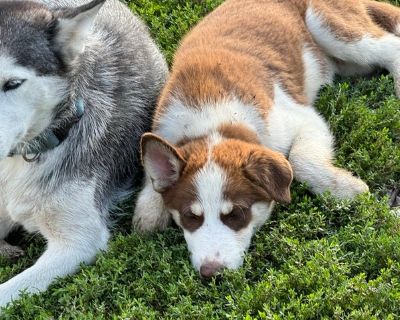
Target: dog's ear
{"x": 271, "y": 172}
{"x": 73, "y": 28}
{"x": 162, "y": 162}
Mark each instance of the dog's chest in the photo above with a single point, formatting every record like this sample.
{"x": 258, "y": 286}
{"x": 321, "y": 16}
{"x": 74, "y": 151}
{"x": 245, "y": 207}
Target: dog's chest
{"x": 20, "y": 197}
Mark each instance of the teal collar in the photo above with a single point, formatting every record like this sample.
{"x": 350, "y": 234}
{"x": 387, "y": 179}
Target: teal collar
{"x": 49, "y": 138}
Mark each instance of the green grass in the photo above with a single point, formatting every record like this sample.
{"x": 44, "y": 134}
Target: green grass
{"x": 316, "y": 258}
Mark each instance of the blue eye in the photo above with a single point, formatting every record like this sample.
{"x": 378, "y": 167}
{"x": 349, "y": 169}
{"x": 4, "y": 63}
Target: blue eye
{"x": 13, "y": 84}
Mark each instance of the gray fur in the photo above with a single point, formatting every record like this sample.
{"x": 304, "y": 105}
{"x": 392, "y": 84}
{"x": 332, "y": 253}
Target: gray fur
{"x": 119, "y": 77}
{"x": 67, "y": 194}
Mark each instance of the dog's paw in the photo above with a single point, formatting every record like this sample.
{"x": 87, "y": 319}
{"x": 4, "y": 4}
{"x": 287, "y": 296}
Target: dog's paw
{"x": 348, "y": 187}
{"x": 10, "y": 252}
{"x": 144, "y": 221}
{"x": 150, "y": 213}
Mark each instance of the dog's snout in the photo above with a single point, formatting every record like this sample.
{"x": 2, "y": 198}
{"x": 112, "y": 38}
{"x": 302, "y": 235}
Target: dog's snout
{"x": 209, "y": 269}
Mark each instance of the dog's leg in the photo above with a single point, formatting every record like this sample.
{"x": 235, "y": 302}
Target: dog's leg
{"x": 311, "y": 159}
{"x": 348, "y": 33}
{"x": 75, "y": 231}
{"x": 150, "y": 213}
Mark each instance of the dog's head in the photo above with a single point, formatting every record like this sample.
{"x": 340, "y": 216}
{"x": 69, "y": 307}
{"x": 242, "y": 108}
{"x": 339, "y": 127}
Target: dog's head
{"x": 38, "y": 46}
{"x": 219, "y": 191}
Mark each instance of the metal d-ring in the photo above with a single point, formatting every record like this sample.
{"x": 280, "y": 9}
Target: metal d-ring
{"x": 35, "y": 157}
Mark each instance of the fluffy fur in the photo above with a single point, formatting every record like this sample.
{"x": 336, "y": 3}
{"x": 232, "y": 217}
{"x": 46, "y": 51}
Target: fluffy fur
{"x": 62, "y": 52}
{"x": 235, "y": 121}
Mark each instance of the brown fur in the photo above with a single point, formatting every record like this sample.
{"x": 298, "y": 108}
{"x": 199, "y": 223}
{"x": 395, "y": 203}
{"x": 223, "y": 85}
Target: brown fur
{"x": 194, "y": 154}
{"x": 255, "y": 174}
{"x": 240, "y": 55}
{"x": 337, "y": 14}
{"x": 244, "y": 46}
{"x": 240, "y": 51}
{"x": 238, "y": 132}
{"x": 384, "y": 15}
{"x": 267, "y": 171}
{"x": 238, "y": 219}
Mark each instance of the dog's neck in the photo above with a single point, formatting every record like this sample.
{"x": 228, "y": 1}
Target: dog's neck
{"x": 52, "y": 136}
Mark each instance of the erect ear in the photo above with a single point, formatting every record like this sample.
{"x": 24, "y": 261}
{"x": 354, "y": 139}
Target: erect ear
{"x": 271, "y": 172}
{"x": 73, "y": 28}
{"x": 162, "y": 162}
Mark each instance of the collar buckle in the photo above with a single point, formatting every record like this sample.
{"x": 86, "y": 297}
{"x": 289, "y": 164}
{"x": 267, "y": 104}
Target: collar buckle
{"x": 36, "y": 156}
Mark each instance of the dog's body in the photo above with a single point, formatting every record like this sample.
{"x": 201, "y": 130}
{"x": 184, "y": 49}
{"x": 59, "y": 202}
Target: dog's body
{"x": 54, "y": 63}
{"x": 239, "y": 103}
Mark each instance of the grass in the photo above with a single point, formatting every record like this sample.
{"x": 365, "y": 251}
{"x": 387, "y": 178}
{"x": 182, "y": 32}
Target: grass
{"x": 316, "y": 259}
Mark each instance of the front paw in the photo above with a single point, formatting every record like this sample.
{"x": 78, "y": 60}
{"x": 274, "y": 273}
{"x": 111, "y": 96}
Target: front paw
{"x": 150, "y": 213}
{"x": 145, "y": 220}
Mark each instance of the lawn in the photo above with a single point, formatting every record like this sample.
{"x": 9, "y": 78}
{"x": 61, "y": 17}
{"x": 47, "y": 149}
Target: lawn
{"x": 316, "y": 259}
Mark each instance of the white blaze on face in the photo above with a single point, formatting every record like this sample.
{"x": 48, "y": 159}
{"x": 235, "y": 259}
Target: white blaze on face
{"x": 27, "y": 110}
{"x": 214, "y": 241}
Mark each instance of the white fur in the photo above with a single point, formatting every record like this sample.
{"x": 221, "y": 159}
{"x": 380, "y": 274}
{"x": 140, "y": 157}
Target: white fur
{"x": 227, "y": 207}
{"x": 25, "y": 111}
{"x": 150, "y": 212}
{"x": 367, "y": 52}
{"x": 302, "y": 134}
{"x": 196, "y": 208}
{"x": 73, "y": 33}
{"x": 181, "y": 122}
{"x": 296, "y": 130}
{"x": 397, "y": 30}
{"x": 214, "y": 241}
{"x": 287, "y": 119}
{"x": 316, "y": 73}
{"x": 54, "y": 216}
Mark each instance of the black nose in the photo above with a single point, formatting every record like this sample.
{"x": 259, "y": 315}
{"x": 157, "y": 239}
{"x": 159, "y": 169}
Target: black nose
{"x": 209, "y": 269}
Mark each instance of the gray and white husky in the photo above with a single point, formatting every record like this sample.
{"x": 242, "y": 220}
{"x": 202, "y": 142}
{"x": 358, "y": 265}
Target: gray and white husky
{"x": 78, "y": 83}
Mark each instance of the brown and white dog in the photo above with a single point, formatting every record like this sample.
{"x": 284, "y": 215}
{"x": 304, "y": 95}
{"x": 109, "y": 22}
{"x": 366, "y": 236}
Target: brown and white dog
{"x": 235, "y": 122}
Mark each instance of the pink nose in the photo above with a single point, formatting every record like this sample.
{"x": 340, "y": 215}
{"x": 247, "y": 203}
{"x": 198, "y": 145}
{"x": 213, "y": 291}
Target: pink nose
{"x": 209, "y": 269}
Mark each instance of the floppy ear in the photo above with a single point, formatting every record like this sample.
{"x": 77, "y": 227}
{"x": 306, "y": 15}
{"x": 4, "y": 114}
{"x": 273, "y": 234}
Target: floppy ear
{"x": 73, "y": 28}
{"x": 162, "y": 162}
{"x": 271, "y": 172}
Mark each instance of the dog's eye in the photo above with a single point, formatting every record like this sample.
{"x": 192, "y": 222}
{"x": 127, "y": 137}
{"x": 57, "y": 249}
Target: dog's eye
{"x": 238, "y": 219}
{"x": 13, "y": 84}
{"x": 190, "y": 221}
{"x": 188, "y": 214}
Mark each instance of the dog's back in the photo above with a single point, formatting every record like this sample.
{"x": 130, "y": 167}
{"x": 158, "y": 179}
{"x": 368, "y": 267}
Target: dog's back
{"x": 238, "y": 100}
{"x": 120, "y": 75}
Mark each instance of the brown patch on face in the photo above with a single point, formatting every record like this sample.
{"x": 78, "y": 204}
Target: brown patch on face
{"x": 271, "y": 173}
{"x": 255, "y": 173}
{"x": 183, "y": 194}
{"x": 238, "y": 219}
{"x": 180, "y": 198}
{"x": 196, "y": 154}
{"x": 238, "y": 132}
{"x": 190, "y": 221}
